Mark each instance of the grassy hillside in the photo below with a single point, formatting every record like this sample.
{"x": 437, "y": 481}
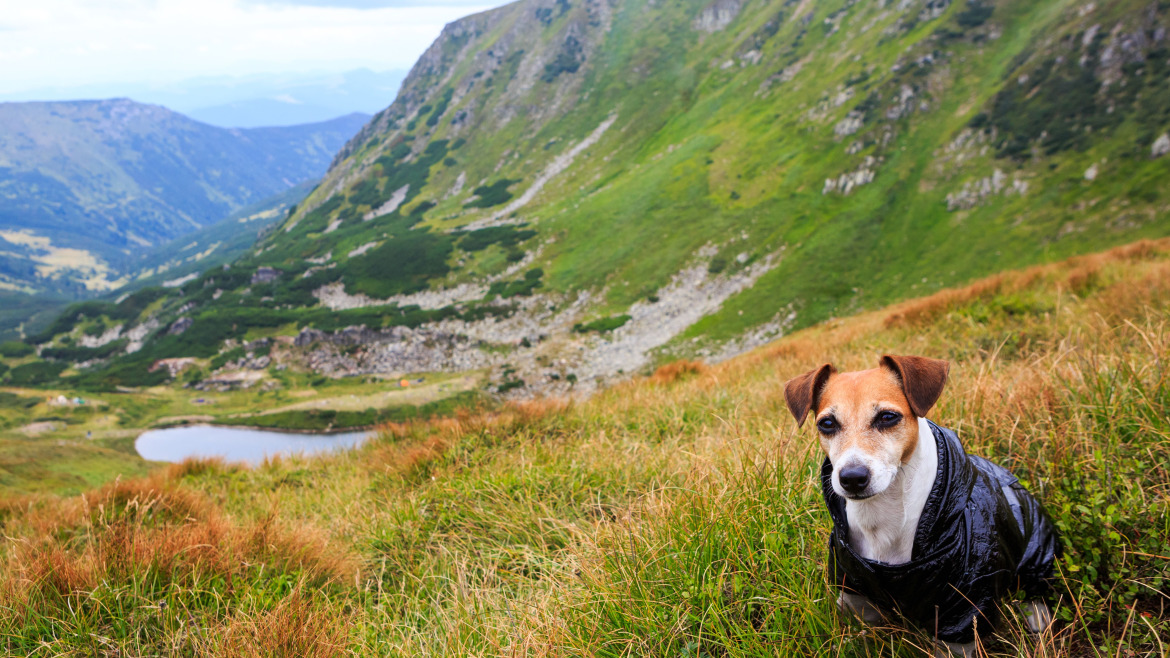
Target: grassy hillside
{"x": 677, "y": 514}
{"x": 87, "y": 185}
{"x": 696, "y": 177}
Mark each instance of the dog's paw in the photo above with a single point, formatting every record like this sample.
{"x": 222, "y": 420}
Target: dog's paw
{"x": 1037, "y": 616}
{"x": 860, "y": 607}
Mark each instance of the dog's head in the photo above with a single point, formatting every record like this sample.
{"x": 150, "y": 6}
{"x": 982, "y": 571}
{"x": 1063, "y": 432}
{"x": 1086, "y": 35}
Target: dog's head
{"x": 868, "y": 419}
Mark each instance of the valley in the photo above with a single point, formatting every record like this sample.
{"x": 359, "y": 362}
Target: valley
{"x": 85, "y": 186}
{"x": 564, "y": 194}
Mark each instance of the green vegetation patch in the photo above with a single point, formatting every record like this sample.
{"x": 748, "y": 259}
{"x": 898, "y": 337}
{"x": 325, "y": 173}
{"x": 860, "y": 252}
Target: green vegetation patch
{"x": 14, "y": 401}
{"x": 401, "y": 265}
{"x": 602, "y": 325}
{"x": 519, "y": 288}
{"x": 331, "y": 419}
{"x": 37, "y": 373}
{"x": 505, "y": 236}
{"x": 440, "y": 107}
{"x": 13, "y": 349}
{"x": 77, "y": 354}
{"x": 495, "y": 194}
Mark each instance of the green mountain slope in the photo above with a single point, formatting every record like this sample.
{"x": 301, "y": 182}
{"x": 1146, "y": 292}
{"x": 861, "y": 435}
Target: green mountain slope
{"x": 86, "y": 185}
{"x": 570, "y": 190}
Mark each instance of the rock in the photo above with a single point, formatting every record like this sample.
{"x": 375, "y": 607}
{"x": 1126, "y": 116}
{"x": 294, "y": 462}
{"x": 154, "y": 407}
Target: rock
{"x": 180, "y": 325}
{"x": 265, "y": 275}
{"x": 850, "y": 124}
{"x": 1091, "y": 172}
{"x": 1161, "y": 146}
{"x": 717, "y": 16}
{"x": 975, "y": 192}
{"x": 308, "y": 336}
{"x": 845, "y": 183}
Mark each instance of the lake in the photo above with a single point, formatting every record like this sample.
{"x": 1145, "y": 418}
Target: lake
{"x": 238, "y": 445}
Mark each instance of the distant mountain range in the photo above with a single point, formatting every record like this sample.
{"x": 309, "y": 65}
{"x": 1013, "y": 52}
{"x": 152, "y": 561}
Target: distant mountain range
{"x": 86, "y": 187}
{"x": 248, "y": 101}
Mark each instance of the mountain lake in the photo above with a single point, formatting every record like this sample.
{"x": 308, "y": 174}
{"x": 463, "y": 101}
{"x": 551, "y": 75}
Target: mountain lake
{"x": 238, "y": 445}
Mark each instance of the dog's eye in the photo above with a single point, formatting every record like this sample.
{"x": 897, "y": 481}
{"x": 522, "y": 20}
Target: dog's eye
{"x": 828, "y": 425}
{"x": 887, "y": 419}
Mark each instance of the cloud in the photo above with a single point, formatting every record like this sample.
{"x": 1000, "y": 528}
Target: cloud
{"x": 73, "y": 42}
{"x": 373, "y": 4}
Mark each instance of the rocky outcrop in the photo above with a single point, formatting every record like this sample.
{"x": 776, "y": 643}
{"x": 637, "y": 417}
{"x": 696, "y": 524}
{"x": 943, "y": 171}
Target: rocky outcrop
{"x": 178, "y": 327}
{"x": 717, "y": 16}
{"x": 976, "y": 192}
{"x": 1161, "y": 146}
{"x": 848, "y": 181}
{"x": 265, "y": 275}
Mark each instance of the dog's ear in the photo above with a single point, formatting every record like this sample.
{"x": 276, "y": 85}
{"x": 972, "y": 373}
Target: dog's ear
{"x": 802, "y": 392}
{"x": 922, "y": 379}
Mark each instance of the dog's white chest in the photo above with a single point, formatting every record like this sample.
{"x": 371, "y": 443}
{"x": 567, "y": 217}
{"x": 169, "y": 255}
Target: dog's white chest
{"x": 882, "y": 528}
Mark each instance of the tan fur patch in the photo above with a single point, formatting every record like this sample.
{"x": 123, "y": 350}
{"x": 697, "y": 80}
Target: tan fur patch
{"x": 854, "y": 399}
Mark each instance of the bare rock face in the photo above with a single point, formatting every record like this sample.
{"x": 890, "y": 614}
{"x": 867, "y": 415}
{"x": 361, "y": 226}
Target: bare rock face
{"x": 1161, "y": 146}
{"x": 265, "y": 275}
{"x": 717, "y": 16}
{"x": 180, "y": 325}
{"x": 977, "y": 191}
{"x": 848, "y": 181}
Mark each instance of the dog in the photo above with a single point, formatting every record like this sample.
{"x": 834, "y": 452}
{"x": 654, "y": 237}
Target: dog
{"x": 921, "y": 530}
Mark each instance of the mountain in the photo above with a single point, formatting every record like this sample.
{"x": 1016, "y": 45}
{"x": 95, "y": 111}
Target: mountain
{"x": 258, "y": 100}
{"x": 215, "y": 245}
{"x": 86, "y": 185}
{"x": 564, "y": 191}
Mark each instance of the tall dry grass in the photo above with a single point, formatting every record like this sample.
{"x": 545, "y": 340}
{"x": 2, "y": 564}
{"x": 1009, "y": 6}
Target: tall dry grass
{"x": 676, "y": 515}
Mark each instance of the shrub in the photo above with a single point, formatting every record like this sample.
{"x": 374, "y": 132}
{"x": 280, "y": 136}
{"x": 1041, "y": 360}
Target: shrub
{"x": 602, "y": 325}
{"x": 14, "y": 401}
{"x": 493, "y": 195}
{"x": 403, "y": 264}
{"x": 521, "y": 288}
{"x": 37, "y": 373}
{"x": 81, "y": 354}
{"x": 15, "y": 349}
{"x": 975, "y": 14}
{"x": 441, "y": 107}
{"x": 227, "y": 357}
{"x": 505, "y": 236}
{"x": 568, "y": 60}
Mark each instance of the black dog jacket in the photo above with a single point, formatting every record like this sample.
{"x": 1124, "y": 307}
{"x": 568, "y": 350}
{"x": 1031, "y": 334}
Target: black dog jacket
{"x": 981, "y": 536}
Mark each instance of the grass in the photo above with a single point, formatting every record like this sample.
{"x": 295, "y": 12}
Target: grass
{"x": 673, "y": 515}
{"x": 74, "y": 449}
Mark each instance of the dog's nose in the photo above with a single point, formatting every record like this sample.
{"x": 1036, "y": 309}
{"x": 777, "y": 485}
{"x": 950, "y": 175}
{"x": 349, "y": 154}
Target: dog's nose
{"x": 854, "y": 479}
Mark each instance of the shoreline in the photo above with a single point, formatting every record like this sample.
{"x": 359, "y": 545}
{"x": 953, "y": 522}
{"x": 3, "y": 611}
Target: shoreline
{"x": 271, "y": 430}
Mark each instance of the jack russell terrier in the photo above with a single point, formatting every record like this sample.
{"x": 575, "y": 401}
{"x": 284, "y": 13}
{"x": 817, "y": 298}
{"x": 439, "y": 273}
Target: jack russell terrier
{"x": 921, "y": 530}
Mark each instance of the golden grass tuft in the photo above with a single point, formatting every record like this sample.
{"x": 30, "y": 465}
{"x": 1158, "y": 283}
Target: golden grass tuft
{"x": 1079, "y": 275}
{"x": 407, "y": 449}
{"x": 297, "y": 627}
{"x": 672, "y": 372}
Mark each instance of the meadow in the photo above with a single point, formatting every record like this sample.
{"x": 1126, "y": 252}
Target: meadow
{"x": 65, "y": 449}
{"x": 677, "y": 514}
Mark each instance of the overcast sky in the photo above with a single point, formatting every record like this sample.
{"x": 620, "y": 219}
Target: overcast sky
{"x": 63, "y": 43}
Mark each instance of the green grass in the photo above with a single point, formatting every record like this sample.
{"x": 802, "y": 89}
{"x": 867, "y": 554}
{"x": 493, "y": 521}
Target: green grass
{"x": 674, "y": 515}
{"x": 84, "y": 446}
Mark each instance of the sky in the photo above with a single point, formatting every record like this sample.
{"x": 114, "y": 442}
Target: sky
{"x": 75, "y": 43}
